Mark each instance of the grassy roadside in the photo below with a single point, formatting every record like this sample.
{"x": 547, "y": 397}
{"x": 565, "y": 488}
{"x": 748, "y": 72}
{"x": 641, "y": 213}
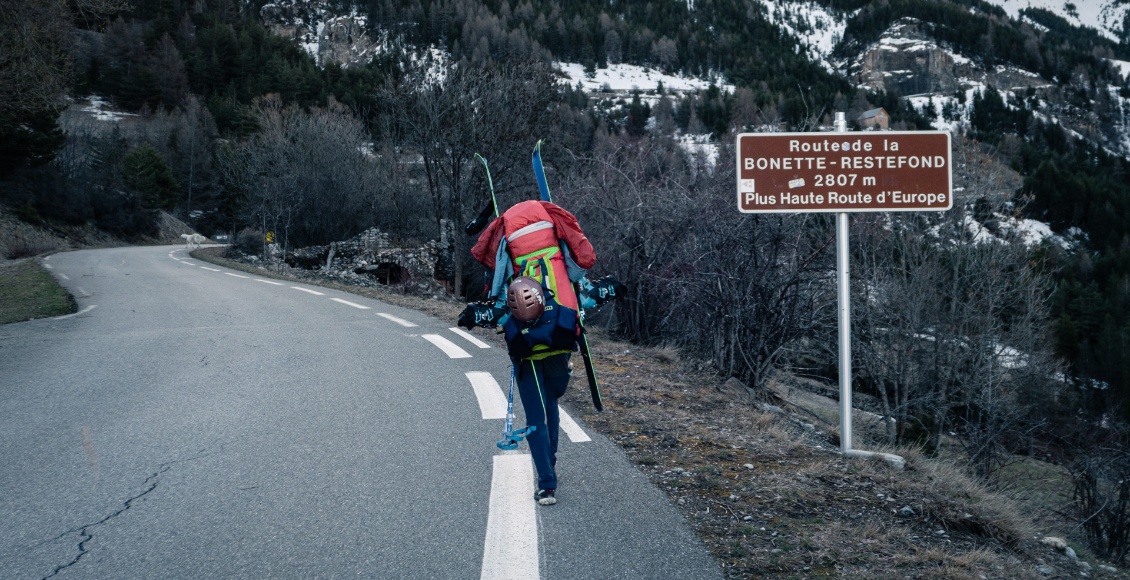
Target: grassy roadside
{"x": 27, "y": 291}
{"x": 765, "y": 489}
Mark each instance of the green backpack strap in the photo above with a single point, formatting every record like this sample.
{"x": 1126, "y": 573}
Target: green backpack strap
{"x": 536, "y": 266}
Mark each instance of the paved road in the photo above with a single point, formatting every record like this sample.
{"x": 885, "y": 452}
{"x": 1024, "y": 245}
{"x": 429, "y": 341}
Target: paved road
{"x": 195, "y": 422}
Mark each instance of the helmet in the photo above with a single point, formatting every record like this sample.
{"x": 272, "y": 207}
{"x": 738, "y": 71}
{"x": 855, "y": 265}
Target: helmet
{"x": 525, "y": 299}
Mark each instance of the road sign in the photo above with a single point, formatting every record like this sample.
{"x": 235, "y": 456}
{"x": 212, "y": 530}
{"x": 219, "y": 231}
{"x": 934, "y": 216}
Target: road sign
{"x": 844, "y": 172}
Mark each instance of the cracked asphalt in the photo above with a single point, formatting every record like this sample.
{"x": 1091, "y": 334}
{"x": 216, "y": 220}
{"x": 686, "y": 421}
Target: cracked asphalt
{"x": 199, "y": 424}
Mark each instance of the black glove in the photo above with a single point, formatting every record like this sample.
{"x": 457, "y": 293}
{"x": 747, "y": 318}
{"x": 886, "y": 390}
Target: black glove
{"x": 480, "y": 222}
{"x": 602, "y": 291}
{"x": 484, "y": 314}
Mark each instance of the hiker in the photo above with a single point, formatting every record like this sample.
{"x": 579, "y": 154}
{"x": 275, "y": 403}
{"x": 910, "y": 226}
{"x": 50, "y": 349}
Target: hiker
{"x": 532, "y": 249}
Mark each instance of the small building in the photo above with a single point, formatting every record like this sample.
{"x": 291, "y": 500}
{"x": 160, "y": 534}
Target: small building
{"x": 875, "y": 119}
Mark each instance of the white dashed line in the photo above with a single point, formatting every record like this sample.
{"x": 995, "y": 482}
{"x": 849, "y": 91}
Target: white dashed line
{"x": 49, "y": 266}
{"x": 209, "y": 269}
{"x": 309, "y": 291}
{"x": 470, "y": 337}
{"x": 511, "y": 548}
{"x": 491, "y": 401}
{"x": 269, "y": 282}
{"x": 348, "y": 303}
{"x": 63, "y": 276}
{"x": 449, "y": 348}
{"x": 234, "y": 275}
{"x": 399, "y": 321}
{"x": 572, "y": 430}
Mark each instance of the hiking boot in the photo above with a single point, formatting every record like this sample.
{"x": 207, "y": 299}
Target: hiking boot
{"x": 546, "y": 496}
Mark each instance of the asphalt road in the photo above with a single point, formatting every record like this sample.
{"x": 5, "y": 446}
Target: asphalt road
{"x": 195, "y": 422}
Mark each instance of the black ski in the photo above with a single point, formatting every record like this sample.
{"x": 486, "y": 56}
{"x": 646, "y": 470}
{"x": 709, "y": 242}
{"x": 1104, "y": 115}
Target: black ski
{"x": 583, "y": 342}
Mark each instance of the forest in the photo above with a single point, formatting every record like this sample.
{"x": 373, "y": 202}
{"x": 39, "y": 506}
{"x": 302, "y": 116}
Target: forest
{"x": 1016, "y": 349}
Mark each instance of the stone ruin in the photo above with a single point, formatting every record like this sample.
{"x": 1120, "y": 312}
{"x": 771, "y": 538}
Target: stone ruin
{"x": 370, "y": 259}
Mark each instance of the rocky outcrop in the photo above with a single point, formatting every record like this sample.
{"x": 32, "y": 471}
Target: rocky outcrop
{"x": 343, "y": 39}
{"x": 908, "y": 61}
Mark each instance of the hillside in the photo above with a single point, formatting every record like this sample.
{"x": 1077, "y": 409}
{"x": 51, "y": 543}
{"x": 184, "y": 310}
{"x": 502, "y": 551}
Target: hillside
{"x": 987, "y": 333}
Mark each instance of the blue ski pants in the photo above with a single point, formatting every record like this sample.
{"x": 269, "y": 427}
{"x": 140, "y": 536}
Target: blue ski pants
{"x": 540, "y": 384}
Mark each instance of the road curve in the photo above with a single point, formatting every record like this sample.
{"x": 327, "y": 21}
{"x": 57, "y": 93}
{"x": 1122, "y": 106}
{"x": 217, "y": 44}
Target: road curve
{"x": 196, "y": 422}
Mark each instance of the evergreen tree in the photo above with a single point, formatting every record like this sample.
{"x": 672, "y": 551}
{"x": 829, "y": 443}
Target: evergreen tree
{"x": 146, "y": 173}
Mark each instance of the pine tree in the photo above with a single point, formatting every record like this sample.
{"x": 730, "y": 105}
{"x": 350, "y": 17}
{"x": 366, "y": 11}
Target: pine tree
{"x": 147, "y": 173}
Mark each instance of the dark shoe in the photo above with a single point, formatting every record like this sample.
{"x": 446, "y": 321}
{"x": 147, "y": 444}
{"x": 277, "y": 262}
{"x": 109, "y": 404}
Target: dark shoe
{"x": 546, "y": 496}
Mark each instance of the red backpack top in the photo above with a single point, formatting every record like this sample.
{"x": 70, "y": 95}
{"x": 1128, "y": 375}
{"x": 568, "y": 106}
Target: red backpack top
{"x": 535, "y": 232}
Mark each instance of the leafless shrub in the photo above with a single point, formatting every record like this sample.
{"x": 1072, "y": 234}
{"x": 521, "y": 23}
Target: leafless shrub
{"x": 738, "y": 290}
{"x": 16, "y": 247}
{"x": 951, "y": 325}
{"x": 1102, "y": 496}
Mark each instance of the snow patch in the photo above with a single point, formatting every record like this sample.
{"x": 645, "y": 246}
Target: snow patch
{"x": 99, "y": 108}
{"x": 817, "y": 29}
{"x": 1104, "y": 16}
{"x": 629, "y": 77}
{"x": 700, "y": 147}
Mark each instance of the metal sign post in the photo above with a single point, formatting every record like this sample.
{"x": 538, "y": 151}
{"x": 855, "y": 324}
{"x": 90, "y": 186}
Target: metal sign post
{"x": 845, "y": 172}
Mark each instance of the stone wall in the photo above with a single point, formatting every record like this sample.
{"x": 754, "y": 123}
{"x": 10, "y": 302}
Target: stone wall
{"x": 370, "y": 258}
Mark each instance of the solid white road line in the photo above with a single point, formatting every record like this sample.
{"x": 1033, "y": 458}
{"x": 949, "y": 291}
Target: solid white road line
{"x": 511, "y": 549}
{"x": 234, "y": 275}
{"x": 449, "y": 348}
{"x": 470, "y": 337}
{"x": 572, "y": 430}
{"x": 399, "y": 321}
{"x": 269, "y": 282}
{"x": 209, "y": 269}
{"x": 348, "y": 303}
{"x": 307, "y": 290}
{"x": 491, "y": 401}
{"x": 83, "y": 311}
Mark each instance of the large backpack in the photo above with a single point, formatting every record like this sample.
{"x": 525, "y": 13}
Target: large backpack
{"x": 543, "y": 241}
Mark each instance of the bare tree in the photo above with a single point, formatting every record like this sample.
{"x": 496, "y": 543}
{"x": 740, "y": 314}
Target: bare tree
{"x": 951, "y": 320}
{"x": 304, "y": 174}
{"x": 741, "y": 290}
{"x": 447, "y": 113}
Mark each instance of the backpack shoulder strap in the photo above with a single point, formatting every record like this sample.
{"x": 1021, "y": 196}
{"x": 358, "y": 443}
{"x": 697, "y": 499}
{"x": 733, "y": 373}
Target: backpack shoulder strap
{"x": 503, "y": 270}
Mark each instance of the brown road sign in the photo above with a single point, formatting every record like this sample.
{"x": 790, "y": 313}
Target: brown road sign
{"x": 844, "y": 172}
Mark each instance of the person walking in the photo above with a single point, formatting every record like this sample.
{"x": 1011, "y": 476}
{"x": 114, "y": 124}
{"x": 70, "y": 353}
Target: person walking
{"x": 531, "y": 249}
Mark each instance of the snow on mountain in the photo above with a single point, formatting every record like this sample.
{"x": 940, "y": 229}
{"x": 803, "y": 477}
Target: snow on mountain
{"x": 1105, "y": 16}
{"x": 817, "y": 29}
{"x": 328, "y": 37}
{"x": 629, "y": 77}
